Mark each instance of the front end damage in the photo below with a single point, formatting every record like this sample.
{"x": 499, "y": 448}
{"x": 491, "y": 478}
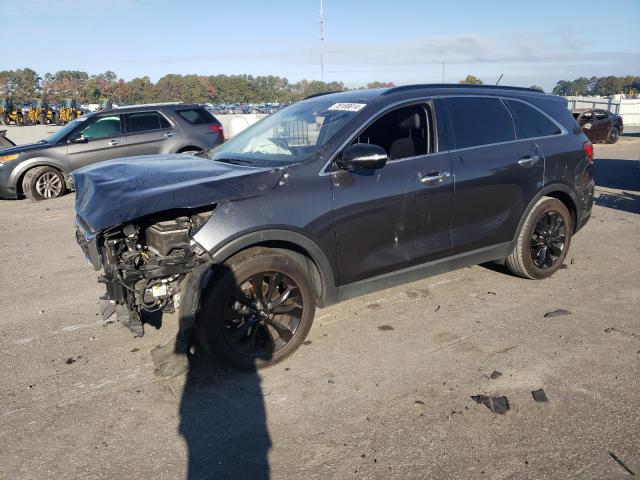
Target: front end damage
{"x": 144, "y": 263}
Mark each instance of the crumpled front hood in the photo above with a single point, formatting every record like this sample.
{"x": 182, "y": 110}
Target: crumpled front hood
{"x": 117, "y": 191}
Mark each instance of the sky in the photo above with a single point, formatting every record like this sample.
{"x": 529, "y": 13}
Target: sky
{"x": 402, "y": 41}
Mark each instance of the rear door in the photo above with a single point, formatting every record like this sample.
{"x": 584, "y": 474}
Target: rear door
{"x": 600, "y": 124}
{"x": 103, "y": 138}
{"x": 149, "y": 133}
{"x": 495, "y": 175}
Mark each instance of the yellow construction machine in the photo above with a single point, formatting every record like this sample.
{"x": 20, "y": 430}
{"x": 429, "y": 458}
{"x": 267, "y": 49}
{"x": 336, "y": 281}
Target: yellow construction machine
{"x": 40, "y": 113}
{"x": 68, "y": 111}
{"x": 10, "y": 113}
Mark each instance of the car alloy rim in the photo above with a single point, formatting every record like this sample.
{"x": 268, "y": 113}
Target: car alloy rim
{"x": 49, "y": 185}
{"x": 614, "y": 134}
{"x": 548, "y": 240}
{"x": 263, "y": 314}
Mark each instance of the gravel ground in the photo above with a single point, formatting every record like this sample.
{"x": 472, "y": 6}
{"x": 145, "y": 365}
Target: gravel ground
{"x": 382, "y": 388}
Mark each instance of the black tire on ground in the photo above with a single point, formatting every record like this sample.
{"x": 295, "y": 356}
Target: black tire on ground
{"x": 214, "y": 326}
{"x": 521, "y": 261}
{"x": 3, "y": 120}
{"x": 19, "y": 120}
{"x": 613, "y": 135}
{"x": 43, "y": 119}
{"x": 35, "y": 191}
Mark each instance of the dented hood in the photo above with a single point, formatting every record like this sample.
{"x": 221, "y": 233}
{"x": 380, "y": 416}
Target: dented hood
{"x": 117, "y": 191}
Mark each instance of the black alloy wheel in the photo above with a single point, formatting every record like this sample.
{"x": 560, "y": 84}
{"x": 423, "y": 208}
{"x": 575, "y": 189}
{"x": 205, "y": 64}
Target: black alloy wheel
{"x": 548, "y": 240}
{"x": 263, "y": 315}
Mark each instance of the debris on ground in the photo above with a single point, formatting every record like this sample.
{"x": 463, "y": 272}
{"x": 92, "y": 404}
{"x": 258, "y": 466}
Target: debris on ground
{"x": 498, "y": 405}
{"x": 385, "y": 327}
{"x": 539, "y": 395}
{"x": 307, "y": 342}
{"x": 557, "y": 313}
{"x": 621, "y": 463}
{"x": 495, "y": 374}
{"x": 614, "y": 329}
{"x": 572, "y": 261}
{"x": 419, "y": 402}
{"x": 70, "y": 360}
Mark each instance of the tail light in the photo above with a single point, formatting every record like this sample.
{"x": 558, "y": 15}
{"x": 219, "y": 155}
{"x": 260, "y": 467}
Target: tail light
{"x": 588, "y": 150}
{"x": 217, "y": 129}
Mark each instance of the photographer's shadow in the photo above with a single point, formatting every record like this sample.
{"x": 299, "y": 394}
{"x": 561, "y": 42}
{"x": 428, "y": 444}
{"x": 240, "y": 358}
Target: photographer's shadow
{"x": 223, "y": 421}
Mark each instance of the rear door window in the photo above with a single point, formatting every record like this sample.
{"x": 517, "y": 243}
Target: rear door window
{"x": 479, "y": 121}
{"x": 196, "y": 116}
{"x": 144, "y": 121}
{"x": 530, "y": 122}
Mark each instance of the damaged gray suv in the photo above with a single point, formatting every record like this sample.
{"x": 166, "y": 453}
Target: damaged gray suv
{"x": 330, "y": 198}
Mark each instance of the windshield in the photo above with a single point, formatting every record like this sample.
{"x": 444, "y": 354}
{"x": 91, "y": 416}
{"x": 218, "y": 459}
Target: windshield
{"x": 60, "y": 134}
{"x": 291, "y": 135}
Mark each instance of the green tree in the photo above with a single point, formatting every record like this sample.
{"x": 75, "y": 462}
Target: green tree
{"x": 537, "y": 87}
{"x": 380, "y": 85}
{"x": 471, "y": 80}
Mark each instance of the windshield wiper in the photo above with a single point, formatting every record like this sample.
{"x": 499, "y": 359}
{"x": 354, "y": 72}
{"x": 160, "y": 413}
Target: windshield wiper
{"x": 235, "y": 161}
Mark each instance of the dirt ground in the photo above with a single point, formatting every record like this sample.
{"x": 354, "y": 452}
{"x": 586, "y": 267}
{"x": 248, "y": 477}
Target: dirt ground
{"x": 382, "y": 388}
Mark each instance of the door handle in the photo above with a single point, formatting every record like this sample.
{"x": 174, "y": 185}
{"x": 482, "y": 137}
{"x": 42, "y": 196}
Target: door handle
{"x": 113, "y": 143}
{"x": 434, "y": 178}
{"x": 528, "y": 161}
{"x": 168, "y": 135}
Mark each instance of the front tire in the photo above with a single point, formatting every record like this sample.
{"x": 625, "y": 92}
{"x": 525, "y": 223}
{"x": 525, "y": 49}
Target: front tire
{"x": 543, "y": 242}
{"x": 257, "y": 309}
{"x": 43, "y": 183}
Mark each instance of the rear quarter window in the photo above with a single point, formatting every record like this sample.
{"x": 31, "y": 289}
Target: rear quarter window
{"x": 196, "y": 116}
{"x": 530, "y": 122}
{"x": 479, "y": 121}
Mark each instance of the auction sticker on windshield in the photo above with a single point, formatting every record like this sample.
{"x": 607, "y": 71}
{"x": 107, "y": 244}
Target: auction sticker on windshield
{"x": 347, "y": 107}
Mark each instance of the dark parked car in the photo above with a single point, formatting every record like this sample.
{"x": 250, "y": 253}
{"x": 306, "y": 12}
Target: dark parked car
{"x": 599, "y": 125}
{"x": 41, "y": 170}
{"x": 330, "y": 198}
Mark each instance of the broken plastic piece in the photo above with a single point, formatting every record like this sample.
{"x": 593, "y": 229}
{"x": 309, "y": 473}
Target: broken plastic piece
{"x": 557, "y": 313}
{"x": 498, "y": 405}
{"x": 495, "y": 374}
{"x": 171, "y": 359}
{"x": 539, "y": 395}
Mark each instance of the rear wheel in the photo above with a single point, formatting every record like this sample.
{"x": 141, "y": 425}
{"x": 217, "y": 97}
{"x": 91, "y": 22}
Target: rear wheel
{"x": 258, "y": 309}
{"x": 613, "y": 135}
{"x": 43, "y": 183}
{"x": 43, "y": 119}
{"x": 544, "y": 240}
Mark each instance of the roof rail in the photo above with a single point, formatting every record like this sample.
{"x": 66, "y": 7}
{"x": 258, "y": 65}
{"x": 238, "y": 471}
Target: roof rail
{"x": 159, "y": 104}
{"x": 456, "y": 85}
{"x": 319, "y": 94}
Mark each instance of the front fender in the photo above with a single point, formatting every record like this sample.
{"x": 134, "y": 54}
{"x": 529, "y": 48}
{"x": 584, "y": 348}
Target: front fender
{"x": 30, "y": 163}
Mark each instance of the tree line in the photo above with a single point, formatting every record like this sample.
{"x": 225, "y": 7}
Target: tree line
{"x": 602, "y": 86}
{"x": 25, "y": 84}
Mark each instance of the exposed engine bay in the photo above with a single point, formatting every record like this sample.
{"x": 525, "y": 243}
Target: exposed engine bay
{"x": 144, "y": 263}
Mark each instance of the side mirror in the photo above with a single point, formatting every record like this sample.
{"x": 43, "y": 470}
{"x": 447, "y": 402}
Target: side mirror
{"x": 362, "y": 156}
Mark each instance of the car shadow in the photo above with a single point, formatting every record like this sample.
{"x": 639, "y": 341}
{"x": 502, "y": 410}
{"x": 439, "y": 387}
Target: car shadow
{"x": 223, "y": 422}
{"x": 619, "y": 174}
{"x": 626, "y": 201}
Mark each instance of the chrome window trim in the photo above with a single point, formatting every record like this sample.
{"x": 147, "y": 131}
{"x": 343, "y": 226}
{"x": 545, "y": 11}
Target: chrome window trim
{"x": 563, "y": 131}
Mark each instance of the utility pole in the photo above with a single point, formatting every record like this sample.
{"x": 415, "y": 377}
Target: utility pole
{"x": 321, "y": 42}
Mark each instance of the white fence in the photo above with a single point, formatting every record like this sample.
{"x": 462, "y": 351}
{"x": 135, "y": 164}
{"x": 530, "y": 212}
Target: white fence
{"x": 627, "y": 108}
